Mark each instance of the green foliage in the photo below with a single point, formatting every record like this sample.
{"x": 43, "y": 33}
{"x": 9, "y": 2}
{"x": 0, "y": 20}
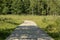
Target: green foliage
{"x": 34, "y": 7}
{"x": 5, "y": 10}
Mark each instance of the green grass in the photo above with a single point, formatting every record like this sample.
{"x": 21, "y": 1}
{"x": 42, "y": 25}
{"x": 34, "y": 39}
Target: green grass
{"x": 50, "y": 24}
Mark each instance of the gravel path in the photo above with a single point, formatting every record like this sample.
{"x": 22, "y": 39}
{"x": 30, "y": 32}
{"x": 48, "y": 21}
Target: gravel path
{"x": 28, "y": 31}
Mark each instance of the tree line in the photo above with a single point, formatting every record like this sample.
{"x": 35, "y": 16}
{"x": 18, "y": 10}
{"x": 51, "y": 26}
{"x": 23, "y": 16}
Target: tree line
{"x": 33, "y": 7}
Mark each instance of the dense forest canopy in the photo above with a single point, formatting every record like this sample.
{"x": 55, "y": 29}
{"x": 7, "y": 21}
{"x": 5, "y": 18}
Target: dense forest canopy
{"x": 34, "y": 7}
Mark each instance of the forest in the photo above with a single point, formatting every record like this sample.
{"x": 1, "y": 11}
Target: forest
{"x": 31, "y": 7}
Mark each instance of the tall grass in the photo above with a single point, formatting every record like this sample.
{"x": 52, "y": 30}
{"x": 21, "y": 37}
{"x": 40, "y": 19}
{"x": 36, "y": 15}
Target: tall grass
{"x": 50, "y": 24}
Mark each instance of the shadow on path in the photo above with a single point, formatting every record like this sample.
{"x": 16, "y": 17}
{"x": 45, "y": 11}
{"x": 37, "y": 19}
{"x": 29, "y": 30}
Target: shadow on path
{"x": 28, "y": 33}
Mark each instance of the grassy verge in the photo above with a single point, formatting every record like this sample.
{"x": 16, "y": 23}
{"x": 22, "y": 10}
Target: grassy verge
{"x": 50, "y": 24}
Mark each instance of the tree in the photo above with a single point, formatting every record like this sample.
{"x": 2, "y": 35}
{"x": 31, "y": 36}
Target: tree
{"x": 33, "y": 7}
